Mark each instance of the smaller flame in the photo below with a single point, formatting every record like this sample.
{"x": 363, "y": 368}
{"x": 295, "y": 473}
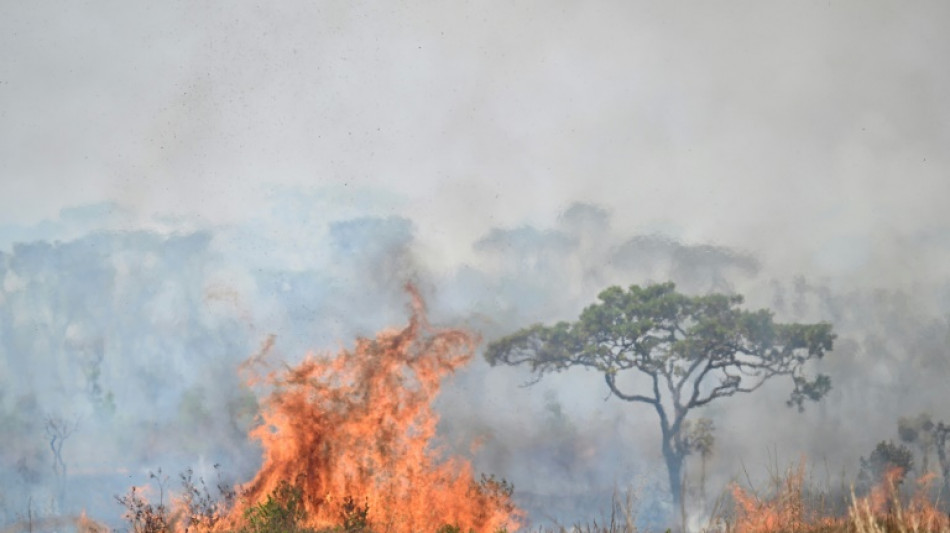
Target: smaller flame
{"x": 881, "y": 510}
{"x": 885, "y": 492}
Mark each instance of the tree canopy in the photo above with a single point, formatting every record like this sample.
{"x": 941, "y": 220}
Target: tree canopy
{"x": 688, "y": 350}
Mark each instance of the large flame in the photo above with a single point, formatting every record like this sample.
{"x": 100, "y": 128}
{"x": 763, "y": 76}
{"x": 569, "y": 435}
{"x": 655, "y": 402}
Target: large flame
{"x": 359, "y": 426}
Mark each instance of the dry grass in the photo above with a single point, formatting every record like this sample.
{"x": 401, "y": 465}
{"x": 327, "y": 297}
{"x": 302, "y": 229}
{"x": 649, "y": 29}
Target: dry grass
{"x": 621, "y": 519}
{"x": 883, "y": 510}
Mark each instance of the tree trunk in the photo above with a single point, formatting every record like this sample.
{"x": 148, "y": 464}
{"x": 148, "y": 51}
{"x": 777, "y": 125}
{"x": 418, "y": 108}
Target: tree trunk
{"x": 702, "y": 482}
{"x": 674, "y": 467}
{"x": 944, "y": 466}
{"x": 674, "y": 454}
{"x": 940, "y": 434}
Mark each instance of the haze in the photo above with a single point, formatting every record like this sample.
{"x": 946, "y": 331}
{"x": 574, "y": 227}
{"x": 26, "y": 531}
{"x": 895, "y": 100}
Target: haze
{"x": 180, "y": 180}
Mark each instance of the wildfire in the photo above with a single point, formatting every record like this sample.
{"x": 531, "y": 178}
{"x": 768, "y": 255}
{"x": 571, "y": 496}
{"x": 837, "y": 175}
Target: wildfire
{"x": 355, "y": 431}
{"x": 785, "y": 511}
{"x": 880, "y": 511}
{"x": 883, "y": 506}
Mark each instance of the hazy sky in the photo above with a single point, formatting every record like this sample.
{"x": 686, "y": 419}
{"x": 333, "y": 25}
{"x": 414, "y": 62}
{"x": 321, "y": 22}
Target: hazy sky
{"x": 750, "y": 123}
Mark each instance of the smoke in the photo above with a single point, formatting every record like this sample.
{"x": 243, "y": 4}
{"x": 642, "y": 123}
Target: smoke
{"x": 181, "y": 183}
{"x": 136, "y": 337}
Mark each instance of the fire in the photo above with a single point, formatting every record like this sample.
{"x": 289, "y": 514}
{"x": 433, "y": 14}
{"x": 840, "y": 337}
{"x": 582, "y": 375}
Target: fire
{"x": 884, "y": 493}
{"x": 355, "y": 431}
{"x": 785, "y": 511}
{"x": 881, "y": 510}
{"x": 84, "y": 524}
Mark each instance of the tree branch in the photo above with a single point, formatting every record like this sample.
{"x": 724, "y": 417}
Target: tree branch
{"x": 610, "y": 378}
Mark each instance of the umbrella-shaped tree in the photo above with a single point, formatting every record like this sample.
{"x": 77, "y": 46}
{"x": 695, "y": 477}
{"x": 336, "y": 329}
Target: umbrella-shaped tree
{"x": 688, "y": 351}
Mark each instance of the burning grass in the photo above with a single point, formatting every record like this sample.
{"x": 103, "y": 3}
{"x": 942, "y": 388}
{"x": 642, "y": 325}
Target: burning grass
{"x": 359, "y": 426}
{"x": 348, "y": 445}
{"x": 882, "y": 510}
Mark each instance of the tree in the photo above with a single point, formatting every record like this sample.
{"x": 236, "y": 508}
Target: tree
{"x": 686, "y": 351}
{"x": 700, "y": 438}
{"x": 928, "y": 436}
{"x": 58, "y": 429}
{"x": 918, "y": 430}
{"x": 885, "y": 457}
{"x": 941, "y": 437}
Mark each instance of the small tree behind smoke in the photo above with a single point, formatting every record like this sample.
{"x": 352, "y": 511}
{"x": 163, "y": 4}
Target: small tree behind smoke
{"x": 58, "y": 429}
{"x": 883, "y": 460}
{"x": 701, "y": 439}
{"x": 941, "y": 436}
{"x": 928, "y": 436}
{"x": 918, "y": 431}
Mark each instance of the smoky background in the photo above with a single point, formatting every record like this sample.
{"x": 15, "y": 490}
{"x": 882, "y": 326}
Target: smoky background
{"x": 179, "y": 182}
{"x": 136, "y": 338}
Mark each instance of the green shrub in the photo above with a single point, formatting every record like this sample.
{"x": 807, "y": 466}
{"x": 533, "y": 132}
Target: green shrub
{"x": 282, "y": 512}
{"x": 353, "y": 516}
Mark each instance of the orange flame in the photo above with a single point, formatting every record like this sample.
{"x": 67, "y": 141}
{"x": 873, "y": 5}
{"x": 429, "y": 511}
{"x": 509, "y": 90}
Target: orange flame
{"x": 883, "y": 505}
{"x": 885, "y": 491}
{"x": 358, "y": 426}
{"x": 785, "y": 511}
{"x": 882, "y": 510}
{"x": 84, "y": 524}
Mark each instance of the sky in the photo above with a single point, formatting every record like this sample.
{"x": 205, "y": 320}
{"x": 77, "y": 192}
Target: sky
{"x": 513, "y": 158}
{"x": 737, "y": 122}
